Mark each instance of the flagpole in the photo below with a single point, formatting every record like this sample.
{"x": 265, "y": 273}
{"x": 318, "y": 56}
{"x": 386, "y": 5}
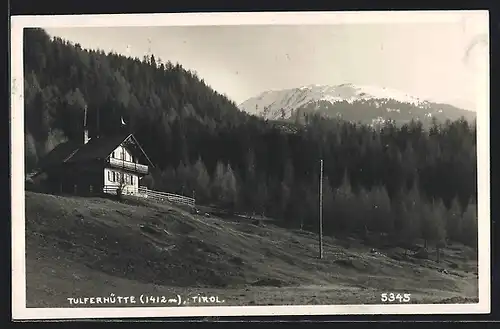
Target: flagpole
{"x": 321, "y": 210}
{"x": 85, "y": 117}
{"x": 97, "y": 119}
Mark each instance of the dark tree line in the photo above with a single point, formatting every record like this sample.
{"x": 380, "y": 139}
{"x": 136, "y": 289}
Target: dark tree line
{"x": 397, "y": 179}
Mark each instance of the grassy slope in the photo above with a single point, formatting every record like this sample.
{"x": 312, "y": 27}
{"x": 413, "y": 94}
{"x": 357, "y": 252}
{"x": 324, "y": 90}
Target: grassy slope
{"x": 94, "y": 247}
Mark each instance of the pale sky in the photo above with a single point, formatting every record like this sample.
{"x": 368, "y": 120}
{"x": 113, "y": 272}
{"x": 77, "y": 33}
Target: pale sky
{"x": 423, "y": 59}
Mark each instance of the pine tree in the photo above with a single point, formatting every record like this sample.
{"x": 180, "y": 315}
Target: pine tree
{"x": 148, "y": 181}
{"x": 439, "y": 217}
{"x": 183, "y": 179}
{"x": 433, "y": 222}
{"x": 454, "y": 220}
{"x": 30, "y": 155}
{"x": 261, "y": 197}
{"x": 73, "y": 115}
{"x": 230, "y": 188}
{"x": 347, "y": 218}
{"x": 287, "y": 186}
{"x": 224, "y": 186}
{"x": 381, "y": 219}
{"x": 202, "y": 180}
{"x": 470, "y": 226}
{"x": 328, "y": 207}
{"x": 168, "y": 180}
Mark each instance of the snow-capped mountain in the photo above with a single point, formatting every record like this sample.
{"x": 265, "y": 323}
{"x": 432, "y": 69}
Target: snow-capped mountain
{"x": 366, "y": 104}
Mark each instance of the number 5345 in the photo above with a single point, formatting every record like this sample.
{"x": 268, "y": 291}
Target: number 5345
{"x": 391, "y": 297}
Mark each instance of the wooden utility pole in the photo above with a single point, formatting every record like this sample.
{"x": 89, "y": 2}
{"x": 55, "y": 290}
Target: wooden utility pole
{"x": 321, "y": 210}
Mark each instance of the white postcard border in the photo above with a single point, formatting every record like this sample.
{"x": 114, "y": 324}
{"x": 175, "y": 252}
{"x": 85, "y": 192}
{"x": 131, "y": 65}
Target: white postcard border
{"x": 479, "y": 19}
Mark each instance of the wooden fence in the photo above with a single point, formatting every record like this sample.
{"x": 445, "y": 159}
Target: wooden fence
{"x": 144, "y": 192}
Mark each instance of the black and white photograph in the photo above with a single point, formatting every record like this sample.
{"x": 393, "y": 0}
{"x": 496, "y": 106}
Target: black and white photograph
{"x": 231, "y": 164}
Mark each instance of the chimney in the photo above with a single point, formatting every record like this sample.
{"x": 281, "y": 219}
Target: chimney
{"x": 98, "y": 130}
{"x": 85, "y": 128}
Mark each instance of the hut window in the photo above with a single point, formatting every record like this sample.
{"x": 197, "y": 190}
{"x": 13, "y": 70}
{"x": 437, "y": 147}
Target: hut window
{"x": 109, "y": 176}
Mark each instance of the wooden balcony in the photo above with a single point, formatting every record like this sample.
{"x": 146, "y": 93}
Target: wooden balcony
{"x": 127, "y": 165}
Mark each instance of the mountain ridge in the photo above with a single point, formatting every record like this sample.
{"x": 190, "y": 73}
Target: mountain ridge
{"x": 368, "y": 104}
